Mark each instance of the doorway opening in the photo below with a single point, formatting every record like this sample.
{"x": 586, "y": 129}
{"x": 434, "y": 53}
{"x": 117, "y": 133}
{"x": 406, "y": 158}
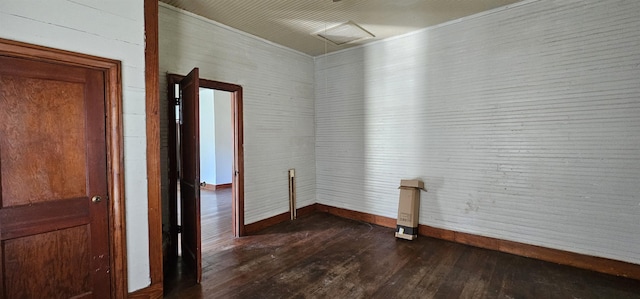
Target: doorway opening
{"x": 205, "y": 159}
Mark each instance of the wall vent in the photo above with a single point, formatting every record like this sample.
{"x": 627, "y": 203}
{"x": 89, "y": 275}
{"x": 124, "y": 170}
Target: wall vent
{"x": 345, "y": 33}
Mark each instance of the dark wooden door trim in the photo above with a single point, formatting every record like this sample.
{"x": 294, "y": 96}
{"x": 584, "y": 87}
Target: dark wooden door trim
{"x": 238, "y": 179}
{"x": 152, "y": 111}
{"x": 115, "y": 158}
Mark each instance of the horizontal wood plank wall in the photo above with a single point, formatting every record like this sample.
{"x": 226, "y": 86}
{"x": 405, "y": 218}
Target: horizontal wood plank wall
{"x": 577, "y": 260}
{"x": 522, "y": 122}
{"x": 279, "y": 129}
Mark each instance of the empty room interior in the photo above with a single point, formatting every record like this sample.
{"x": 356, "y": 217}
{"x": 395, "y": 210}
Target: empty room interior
{"x": 316, "y": 149}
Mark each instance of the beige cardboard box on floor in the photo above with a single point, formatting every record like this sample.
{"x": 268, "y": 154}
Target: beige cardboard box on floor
{"x": 408, "y": 208}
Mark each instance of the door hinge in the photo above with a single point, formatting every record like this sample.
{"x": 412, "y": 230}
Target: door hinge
{"x": 179, "y": 229}
{"x": 178, "y": 96}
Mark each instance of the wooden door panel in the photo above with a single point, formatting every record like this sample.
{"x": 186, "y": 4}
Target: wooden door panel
{"x": 39, "y": 218}
{"x": 42, "y": 154}
{"x": 190, "y": 174}
{"x": 54, "y": 238}
{"x": 189, "y": 252}
{"x": 28, "y": 271}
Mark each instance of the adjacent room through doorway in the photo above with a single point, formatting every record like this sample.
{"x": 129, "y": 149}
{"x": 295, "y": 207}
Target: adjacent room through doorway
{"x": 216, "y": 139}
{"x": 216, "y": 169}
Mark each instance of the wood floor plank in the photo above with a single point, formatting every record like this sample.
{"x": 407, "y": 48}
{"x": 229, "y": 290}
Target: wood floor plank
{"x": 272, "y": 260}
{"x": 429, "y": 285}
{"x": 338, "y": 249}
{"x": 325, "y": 256}
{"x": 474, "y": 272}
{"x": 422, "y": 262}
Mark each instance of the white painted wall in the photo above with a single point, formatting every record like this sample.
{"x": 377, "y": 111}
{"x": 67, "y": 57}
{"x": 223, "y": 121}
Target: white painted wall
{"x": 207, "y": 137}
{"x": 278, "y": 87}
{"x": 523, "y": 122}
{"x": 224, "y": 137}
{"x": 216, "y": 137}
{"x": 112, "y": 29}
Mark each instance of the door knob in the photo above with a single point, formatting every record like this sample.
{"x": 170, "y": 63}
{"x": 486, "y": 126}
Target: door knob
{"x": 96, "y": 199}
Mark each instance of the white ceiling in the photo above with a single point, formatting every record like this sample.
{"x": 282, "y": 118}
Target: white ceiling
{"x": 294, "y": 23}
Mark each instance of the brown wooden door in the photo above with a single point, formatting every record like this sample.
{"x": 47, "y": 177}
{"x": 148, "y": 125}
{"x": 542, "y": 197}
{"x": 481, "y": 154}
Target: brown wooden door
{"x": 55, "y": 241}
{"x": 190, "y": 174}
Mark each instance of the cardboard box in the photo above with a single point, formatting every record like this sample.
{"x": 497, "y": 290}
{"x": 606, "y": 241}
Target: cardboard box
{"x": 408, "y": 208}
{"x": 412, "y": 184}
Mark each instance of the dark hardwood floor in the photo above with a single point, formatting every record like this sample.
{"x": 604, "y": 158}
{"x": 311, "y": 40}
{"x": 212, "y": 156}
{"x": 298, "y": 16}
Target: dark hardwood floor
{"x": 324, "y": 256}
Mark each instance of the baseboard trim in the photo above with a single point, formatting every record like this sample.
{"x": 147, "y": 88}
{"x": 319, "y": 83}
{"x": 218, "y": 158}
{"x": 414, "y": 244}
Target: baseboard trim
{"x": 252, "y": 228}
{"x": 212, "y": 187}
{"x": 271, "y": 221}
{"x": 598, "y": 264}
{"x": 222, "y": 186}
{"x": 153, "y": 291}
{"x": 359, "y": 216}
{"x": 208, "y": 187}
{"x": 305, "y": 211}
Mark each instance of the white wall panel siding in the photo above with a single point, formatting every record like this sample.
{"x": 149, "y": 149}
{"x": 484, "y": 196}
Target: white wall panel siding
{"x": 278, "y": 95}
{"x": 207, "y": 136}
{"x": 115, "y": 30}
{"x": 223, "y": 137}
{"x": 523, "y": 122}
